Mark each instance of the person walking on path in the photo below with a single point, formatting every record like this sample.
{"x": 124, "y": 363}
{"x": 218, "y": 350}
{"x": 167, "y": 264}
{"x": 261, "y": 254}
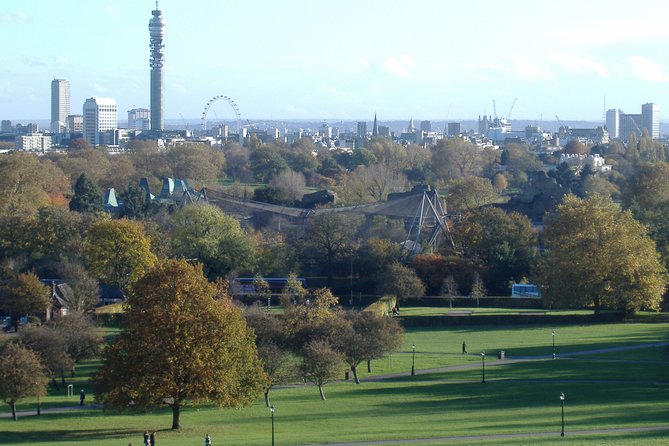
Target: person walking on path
{"x": 464, "y": 348}
{"x": 207, "y": 440}
{"x": 82, "y": 397}
{"x": 152, "y": 438}
{"x": 147, "y": 442}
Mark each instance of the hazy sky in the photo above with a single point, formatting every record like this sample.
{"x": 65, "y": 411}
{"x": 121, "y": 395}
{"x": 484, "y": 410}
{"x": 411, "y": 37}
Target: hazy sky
{"x": 344, "y": 59}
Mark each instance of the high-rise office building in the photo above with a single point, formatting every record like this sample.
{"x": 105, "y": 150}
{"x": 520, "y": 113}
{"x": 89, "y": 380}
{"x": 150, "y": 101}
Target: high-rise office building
{"x": 100, "y": 121}
{"x": 650, "y": 119}
{"x": 425, "y": 126}
{"x": 156, "y": 61}
{"x": 139, "y": 119}
{"x": 75, "y": 123}
{"x": 362, "y": 129}
{"x": 613, "y": 123}
{"x": 60, "y": 104}
{"x": 621, "y": 124}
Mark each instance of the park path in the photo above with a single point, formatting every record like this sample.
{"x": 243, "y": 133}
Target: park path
{"x": 441, "y": 440}
{"x": 519, "y": 359}
{"x": 46, "y": 410}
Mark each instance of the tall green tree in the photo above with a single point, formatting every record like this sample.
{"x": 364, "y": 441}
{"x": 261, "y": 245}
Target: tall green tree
{"x": 321, "y": 363}
{"x": 599, "y": 256}
{"x": 204, "y": 233}
{"x": 86, "y": 196}
{"x": 20, "y": 375}
{"x": 181, "y": 343}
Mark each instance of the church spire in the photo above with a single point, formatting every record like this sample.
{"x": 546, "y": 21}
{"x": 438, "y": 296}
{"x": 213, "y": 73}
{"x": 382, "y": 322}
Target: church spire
{"x": 375, "y": 128}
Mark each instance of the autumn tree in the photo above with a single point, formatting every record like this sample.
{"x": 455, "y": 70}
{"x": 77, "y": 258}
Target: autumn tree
{"x": 51, "y": 349}
{"x": 454, "y": 158}
{"x": 83, "y": 340}
{"x": 478, "y": 289}
{"x": 26, "y": 183}
{"x": 449, "y": 289}
{"x": 371, "y": 183}
{"x": 400, "y": 281}
{"x": 118, "y": 252}
{"x": 468, "y": 193}
{"x": 20, "y": 375}
{"x": 367, "y": 336}
{"x": 181, "y": 343}
{"x": 25, "y": 295}
{"x": 320, "y": 364}
{"x": 204, "y": 233}
{"x": 599, "y": 256}
{"x": 87, "y": 197}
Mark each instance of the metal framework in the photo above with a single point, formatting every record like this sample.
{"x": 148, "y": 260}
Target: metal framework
{"x": 232, "y": 104}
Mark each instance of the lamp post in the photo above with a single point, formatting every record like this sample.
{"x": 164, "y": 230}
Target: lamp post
{"x": 413, "y": 359}
{"x": 553, "y": 333}
{"x": 271, "y": 409}
{"x": 562, "y": 401}
{"x": 482, "y": 367}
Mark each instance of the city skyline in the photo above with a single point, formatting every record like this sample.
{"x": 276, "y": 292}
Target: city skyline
{"x": 297, "y": 60}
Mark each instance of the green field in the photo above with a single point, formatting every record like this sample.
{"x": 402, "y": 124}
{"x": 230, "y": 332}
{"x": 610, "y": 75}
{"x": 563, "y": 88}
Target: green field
{"x": 620, "y": 389}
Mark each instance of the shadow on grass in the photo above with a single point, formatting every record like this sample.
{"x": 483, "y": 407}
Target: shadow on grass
{"x": 65, "y": 434}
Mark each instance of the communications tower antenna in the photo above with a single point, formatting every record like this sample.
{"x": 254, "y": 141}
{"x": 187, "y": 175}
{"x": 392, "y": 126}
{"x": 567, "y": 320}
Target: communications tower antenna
{"x": 156, "y": 62}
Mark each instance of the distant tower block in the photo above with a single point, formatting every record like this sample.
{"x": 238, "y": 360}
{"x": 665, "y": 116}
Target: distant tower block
{"x": 156, "y": 61}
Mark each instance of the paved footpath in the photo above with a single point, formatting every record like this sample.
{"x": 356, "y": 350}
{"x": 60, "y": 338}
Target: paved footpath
{"x": 440, "y": 440}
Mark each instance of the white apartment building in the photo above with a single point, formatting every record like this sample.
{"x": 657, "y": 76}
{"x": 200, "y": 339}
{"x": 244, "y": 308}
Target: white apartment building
{"x": 33, "y": 142}
{"x": 100, "y": 121}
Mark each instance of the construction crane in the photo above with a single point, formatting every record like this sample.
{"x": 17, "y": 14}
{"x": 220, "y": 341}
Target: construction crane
{"x": 184, "y": 121}
{"x": 513, "y": 104}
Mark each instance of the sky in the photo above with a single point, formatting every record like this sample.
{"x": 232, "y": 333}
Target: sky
{"x": 345, "y": 59}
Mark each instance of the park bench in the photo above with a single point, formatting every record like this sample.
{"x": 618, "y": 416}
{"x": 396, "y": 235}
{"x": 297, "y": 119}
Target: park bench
{"x": 460, "y": 313}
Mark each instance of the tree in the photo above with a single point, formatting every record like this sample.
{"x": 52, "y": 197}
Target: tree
{"x": 118, "y": 252}
{"x": 266, "y": 162}
{"x": 135, "y": 205}
{"x": 320, "y": 364}
{"x": 81, "y": 290}
{"x": 453, "y": 158}
{"x": 51, "y": 349}
{"x": 450, "y": 289}
{"x": 181, "y": 342}
{"x": 86, "y": 196}
{"x": 83, "y": 340}
{"x": 203, "y": 232}
{"x": 369, "y": 336}
{"x": 327, "y": 239}
{"x": 503, "y": 245}
{"x": 291, "y": 183}
{"x": 20, "y": 375}
{"x": 468, "y": 193}
{"x": 575, "y": 147}
{"x": 372, "y": 183}
{"x": 25, "y": 295}
{"x": 28, "y": 183}
{"x": 276, "y": 359}
{"x": 478, "y": 289}
{"x": 599, "y": 256}
{"x": 400, "y": 281}
{"x": 293, "y": 292}
{"x": 197, "y": 162}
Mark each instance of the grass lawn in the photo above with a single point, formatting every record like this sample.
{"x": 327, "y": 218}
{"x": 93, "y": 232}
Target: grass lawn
{"x": 516, "y": 398}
